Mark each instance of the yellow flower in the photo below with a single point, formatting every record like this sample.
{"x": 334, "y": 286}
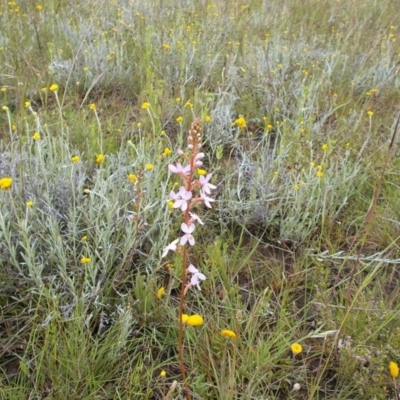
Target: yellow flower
{"x": 14, "y": 127}
{"x": 85, "y": 69}
{"x": 36, "y": 136}
{"x": 39, "y": 7}
{"x": 100, "y": 158}
{"x": 312, "y": 164}
{"x": 188, "y": 104}
{"x": 85, "y": 260}
{"x": 167, "y": 151}
{"x": 228, "y": 333}
{"x": 185, "y": 317}
{"x": 296, "y": 348}
{"x": 319, "y": 174}
{"x": 240, "y": 122}
{"x": 393, "y": 369}
{"x": 201, "y": 171}
{"x": 324, "y": 147}
{"x": 3, "y": 89}
{"x": 207, "y": 118}
{"x": 179, "y": 119}
{"x": 195, "y": 320}
{"x": 53, "y": 87}
{"x": 170, "y": 204}
{"x": 92, "y": 106}
{"x": 84, "y": 238}
{"x": 27, "y": 104}
{"x": 145, "y": 105}
{"x": 29, "y": 203}
{"x": 160, "y": 292}
{"x": 296, "y": 187}
{"x": 132, "y": 178}
{"x": 4, "y": 108}
{"x": 370, "y": 113}
{"x": 178, "y": 99}
{"x": 149, "y": 167}
{"x": 163, "y": 374}
{"x": 166, "y": 47}
{"x": 5, "y": 183}
{"x": 75, "y": 159}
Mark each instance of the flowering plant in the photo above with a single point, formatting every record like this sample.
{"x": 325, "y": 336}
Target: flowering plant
{"x": 192, "y": 192}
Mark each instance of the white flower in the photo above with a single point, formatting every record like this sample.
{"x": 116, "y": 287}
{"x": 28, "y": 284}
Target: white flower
{"x": 172, "y": 246}
{"x": 206, "y": 187}
{"x": 194, "y": 217}
{"x": 187, "y": 237}
{"x": 206, "y": 199}
{"x": 196, "y": 276}
{"x": 181, "y": 198}
{"x": 179, "y": 169}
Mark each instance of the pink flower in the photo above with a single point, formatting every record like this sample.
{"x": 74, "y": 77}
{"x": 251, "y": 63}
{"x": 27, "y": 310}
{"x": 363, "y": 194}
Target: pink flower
{"x": 187, "y": 237}
{"x": 179, "y": 169}
{"x": 181, "y": 198}
{"x": 206, "y": 199}
{"x": 206, "y": 187}
{"x": 196, "y": 276}
{"x": 172, "y": 246}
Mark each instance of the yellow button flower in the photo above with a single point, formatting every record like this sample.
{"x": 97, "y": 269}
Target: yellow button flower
{"x": 195, "y": 320}
{"x": 29, "y": 203}
{"x": 149, "y": 167}
{"x": 5, "y": 183}
{"x": 167, "y": 151}
{"x": 85, "y": 260}
{"x": 75, "y": 159}
{"x": 160, "y": 292}
{"x": 132, "y": 178}
{"x": 36, "y": 136}
{"x": 100, "y": 158}
{"x": 145, "y": 105}
{"x": 393, "y": 369}
{"x": 228, "y": 333}
{"x": 240, "y": 122}
{"x": 53, "y": 87}
{"x": 296, "y": 348}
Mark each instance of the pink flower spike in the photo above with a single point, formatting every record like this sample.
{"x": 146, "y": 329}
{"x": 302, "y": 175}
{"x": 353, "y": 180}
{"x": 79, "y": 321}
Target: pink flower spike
{"x": 179, "y": 169}
{"x": 196, "y": 276}
{"x": 195, "y": 217}
{"x": 206, "y": 199}
{"x": 206, "y": 187}
{"x": 172, "y": 246}
{"x": 187, "y": 237}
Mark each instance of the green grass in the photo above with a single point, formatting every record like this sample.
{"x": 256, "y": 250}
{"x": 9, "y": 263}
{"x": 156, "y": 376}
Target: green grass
{"x": 290, "y": 250}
